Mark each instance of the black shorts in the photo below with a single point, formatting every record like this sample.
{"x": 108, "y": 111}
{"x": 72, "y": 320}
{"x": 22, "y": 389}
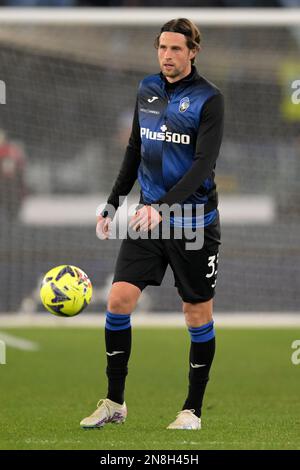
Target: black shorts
{"x": 143, "y": 262}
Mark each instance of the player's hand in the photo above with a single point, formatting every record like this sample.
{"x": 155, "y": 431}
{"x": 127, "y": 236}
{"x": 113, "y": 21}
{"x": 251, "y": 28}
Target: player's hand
{"x": 146, "y": 218}
{"x": 103, "y": 227}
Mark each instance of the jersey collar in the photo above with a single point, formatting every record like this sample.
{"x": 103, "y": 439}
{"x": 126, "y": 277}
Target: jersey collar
{"x": 193, "y": 75}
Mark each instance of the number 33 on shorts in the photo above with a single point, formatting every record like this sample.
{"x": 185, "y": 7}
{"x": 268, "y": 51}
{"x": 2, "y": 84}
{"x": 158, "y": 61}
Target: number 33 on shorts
{"x": 213, "y": 266}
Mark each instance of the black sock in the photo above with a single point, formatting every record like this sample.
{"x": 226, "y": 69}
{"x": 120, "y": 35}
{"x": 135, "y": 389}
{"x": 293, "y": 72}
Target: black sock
{"x": 118, "y": 347}
{"x": 201, "y": 357}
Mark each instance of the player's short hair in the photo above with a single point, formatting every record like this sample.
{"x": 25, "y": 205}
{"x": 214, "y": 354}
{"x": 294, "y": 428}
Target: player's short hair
{"x": 185, "y": 27}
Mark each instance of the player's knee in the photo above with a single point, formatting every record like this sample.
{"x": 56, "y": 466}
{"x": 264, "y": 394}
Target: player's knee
{"x": 120, "y": 303}
{"x": 122, "y": 298}
{"x": 198, "y": 314}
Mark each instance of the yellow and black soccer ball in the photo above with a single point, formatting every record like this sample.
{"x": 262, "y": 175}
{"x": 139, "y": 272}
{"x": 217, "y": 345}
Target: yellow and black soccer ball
{"x": 66, "y": 290}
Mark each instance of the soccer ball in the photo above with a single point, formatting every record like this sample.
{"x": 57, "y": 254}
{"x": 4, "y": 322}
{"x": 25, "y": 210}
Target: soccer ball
{"x": 66, "y": 290}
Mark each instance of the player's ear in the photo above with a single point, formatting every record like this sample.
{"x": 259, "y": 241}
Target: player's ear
{"x": 193, "y": 53}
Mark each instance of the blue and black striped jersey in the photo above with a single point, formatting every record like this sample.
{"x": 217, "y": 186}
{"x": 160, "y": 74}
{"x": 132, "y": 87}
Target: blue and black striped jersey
{"x": 174, "y": 144}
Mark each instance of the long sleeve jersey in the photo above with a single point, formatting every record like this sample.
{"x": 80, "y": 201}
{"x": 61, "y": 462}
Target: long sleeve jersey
{"x": 174, "y": 144}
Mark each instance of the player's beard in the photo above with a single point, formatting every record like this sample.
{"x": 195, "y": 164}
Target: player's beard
{"x": 171, "y": 73}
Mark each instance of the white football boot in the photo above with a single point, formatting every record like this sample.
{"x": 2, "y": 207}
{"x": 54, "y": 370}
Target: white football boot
{"x": 186, "y": 420}
{"x": 107, "y": 412}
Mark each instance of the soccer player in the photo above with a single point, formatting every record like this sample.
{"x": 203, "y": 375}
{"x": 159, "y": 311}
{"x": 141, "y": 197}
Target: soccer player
{"x": 174, "y": 144}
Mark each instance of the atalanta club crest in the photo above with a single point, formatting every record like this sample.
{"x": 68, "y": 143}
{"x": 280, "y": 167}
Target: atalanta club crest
{"x": 184, "y": 104}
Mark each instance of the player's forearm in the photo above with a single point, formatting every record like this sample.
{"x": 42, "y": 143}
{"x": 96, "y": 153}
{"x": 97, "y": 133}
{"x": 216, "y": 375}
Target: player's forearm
{"x": 207, "y": 151}
{"x": 126, "y": 177}
{"x": 129, "y": 169}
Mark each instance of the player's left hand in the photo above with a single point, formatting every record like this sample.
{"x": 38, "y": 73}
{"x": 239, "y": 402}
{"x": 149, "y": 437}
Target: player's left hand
{"x": 146, "y": 218}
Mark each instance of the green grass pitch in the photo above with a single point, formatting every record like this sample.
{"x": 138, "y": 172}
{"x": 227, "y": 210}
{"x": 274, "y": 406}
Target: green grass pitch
{"x": 252, "y": 400}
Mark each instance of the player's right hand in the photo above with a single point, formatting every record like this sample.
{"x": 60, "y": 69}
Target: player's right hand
{"x": 103, "y": 227}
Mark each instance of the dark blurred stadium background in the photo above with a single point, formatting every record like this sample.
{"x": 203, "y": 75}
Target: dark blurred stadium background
{"x": 151, "y": 3}
{"x": 70, "y": 93}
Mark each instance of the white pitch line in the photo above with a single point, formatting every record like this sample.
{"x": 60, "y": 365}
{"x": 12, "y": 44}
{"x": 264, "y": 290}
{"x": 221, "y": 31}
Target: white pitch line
{"x": 140, "y": 319}
{"x": 18, "y": 343}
